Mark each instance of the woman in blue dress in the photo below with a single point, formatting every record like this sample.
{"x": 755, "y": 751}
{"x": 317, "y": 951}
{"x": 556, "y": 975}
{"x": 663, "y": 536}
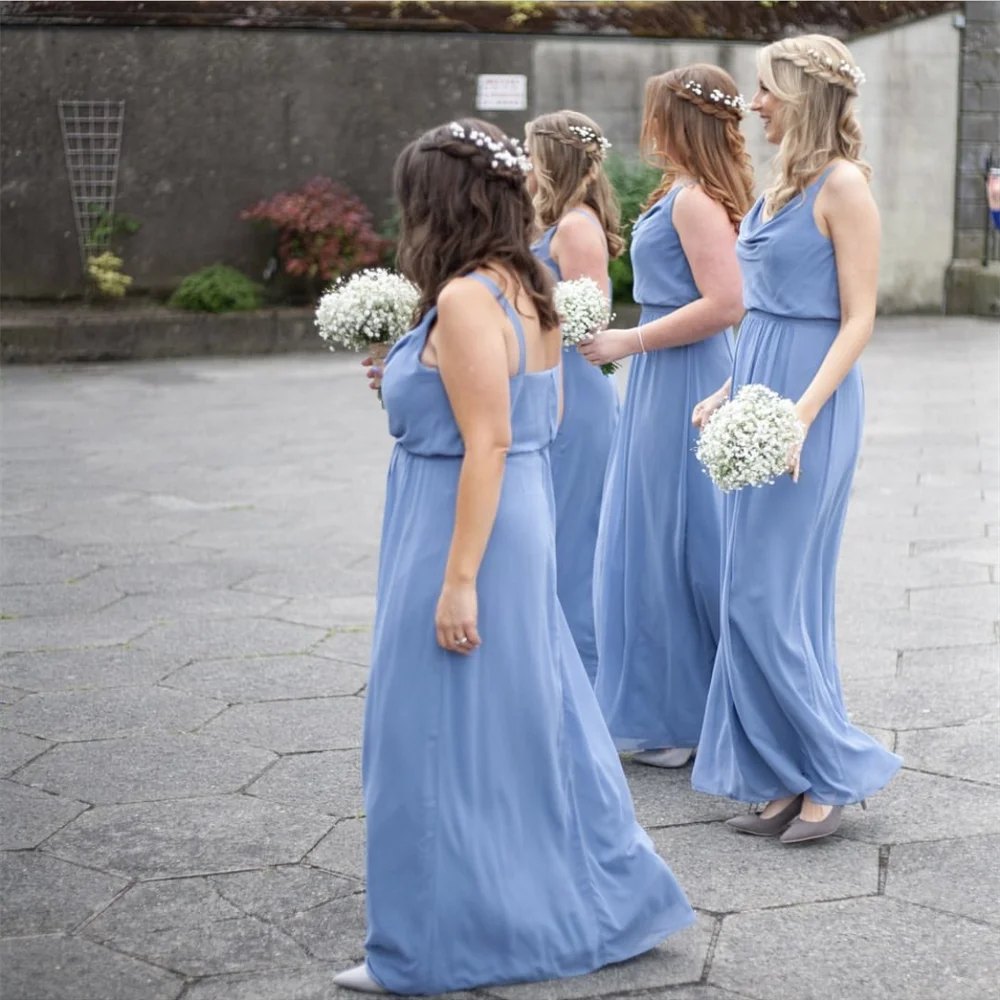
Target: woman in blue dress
{"x": 776, "y": 730}
{"x": 502, "y": 842}
{"x": 575, "y": 206}
{"x": 659, "y": 551}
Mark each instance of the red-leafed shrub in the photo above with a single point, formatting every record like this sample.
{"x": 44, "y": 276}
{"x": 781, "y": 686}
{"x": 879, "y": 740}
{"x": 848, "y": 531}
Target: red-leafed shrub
{"x": 324, "y": 231}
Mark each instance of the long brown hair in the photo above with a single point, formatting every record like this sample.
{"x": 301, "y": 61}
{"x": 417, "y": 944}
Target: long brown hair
{"x": 464, "y": 207}
{"x": 569, "y": 170}
{"x": 816, "y": 80}
{"x": 691, "y": 125}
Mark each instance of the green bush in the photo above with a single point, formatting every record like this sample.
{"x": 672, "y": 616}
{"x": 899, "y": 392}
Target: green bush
{"x": 633, "y": 182}
{"x": 217, "y": 289}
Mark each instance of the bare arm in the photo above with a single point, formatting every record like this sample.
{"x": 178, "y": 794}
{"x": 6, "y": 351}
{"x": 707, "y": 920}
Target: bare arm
{"x": 580, "y": 250}
{"x": 847, "y": 210}
{"x": 471, "y": 355}
{"x": 709, "y": 241}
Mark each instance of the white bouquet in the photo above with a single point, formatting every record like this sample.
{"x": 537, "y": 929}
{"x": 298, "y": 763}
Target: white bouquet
{"x": 749, "y": 439}
{"x": 369, "y": 310}
{"x": 584, "y": 311}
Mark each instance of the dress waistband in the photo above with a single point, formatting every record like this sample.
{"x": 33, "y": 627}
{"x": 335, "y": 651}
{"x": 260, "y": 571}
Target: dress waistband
{"x": 822, "y": 323}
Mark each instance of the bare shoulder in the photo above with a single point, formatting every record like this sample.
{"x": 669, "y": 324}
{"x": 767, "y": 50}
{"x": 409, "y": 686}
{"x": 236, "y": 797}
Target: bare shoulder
{"x": 460, "y": 296}
{"x": 694, "y": 204}
{"x": 847, "y": 184}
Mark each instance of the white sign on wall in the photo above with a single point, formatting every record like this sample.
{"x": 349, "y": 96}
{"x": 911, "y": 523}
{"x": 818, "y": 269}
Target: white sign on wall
{"x": 501, "y": 92}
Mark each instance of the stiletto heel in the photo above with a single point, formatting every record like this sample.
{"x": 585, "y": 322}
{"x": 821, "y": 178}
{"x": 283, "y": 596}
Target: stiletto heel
{"x": 757, "y": 826}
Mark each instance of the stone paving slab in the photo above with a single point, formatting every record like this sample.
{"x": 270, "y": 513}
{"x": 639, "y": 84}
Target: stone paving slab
{"x": 188, "y": 596}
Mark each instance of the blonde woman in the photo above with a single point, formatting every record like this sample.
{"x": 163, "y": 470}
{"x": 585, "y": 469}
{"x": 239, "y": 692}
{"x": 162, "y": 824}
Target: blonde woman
{"x": 776, "y": 729}
{"x": 576, "y": 208}
{"x": 659, "y": 549}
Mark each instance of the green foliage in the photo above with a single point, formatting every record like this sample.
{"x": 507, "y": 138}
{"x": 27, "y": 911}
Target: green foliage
{"x": 111, "y": 224}
{"x": 633, "y": 182}
{"x": 217, "y": 289}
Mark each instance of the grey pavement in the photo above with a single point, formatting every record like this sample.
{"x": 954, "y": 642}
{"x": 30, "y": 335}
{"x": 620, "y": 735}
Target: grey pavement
{"x": 189, "y": 559}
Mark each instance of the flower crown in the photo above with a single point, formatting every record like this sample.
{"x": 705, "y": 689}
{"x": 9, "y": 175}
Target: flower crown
{"x": 716, "y": 96}
{"x": 587, "y": 135}
{"x": 844, "y": 68}
{"x": 512, "y": 158}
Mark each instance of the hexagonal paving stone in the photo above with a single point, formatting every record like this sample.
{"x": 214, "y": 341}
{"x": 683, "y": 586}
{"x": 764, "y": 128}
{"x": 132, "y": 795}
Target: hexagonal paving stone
{"x": 333, "y": 931}
{"x": 294, "y": 726}
{"x": 960, "y": 876}
{"x": 329, "y": 781}
{"x": 971, "y": 751}
{"x": 184, "y": 925}
{"x": 665, "y": 797}
{"x": 312, "y": 983}
{"x": 342, "y": 849}
{"x": 146, "y": 768}
{"x": 61, "y": 968}
{"x": 68, "y": 632}
{"x": 277, "y": 894}
{"x": 73, "y": 669}
{"x": 28, "y": 816}
{"x": 195, "y": 574}
{"x": 174, "y": 605}
{"x": 863, "y": 949}
{"x": 214, "y": 638}
{"x": 42, "y": 895}
{"x": 981, "y": 600}
{"x": 16, "y": 750}
{"x": 328, "y": 612}
{"x": 680, "y": 959}
{"x": 348, "y": 646}
{"x": 64, "y": 598}
{"x": 915, "y": 806}
{"x": 189, "y": 837}
{"x": 97, "y": 714}
{"x": 47, "y": 565}
{"x": 724, "y": 871}
{"x": 266, "y": 678}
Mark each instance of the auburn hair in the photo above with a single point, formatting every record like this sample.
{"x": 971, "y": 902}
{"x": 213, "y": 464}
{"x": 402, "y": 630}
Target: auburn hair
{"x": 687, "y": 132}
{"x": 465, "y": 207}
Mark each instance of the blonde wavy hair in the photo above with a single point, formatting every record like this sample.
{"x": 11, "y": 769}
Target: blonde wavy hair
{"x": 816, "y": 79}
{"x": 569, "y": 170}
{"x": 686, "y": 131}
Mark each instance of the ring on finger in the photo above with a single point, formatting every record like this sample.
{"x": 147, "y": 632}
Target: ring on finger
{"x": 462, "y": 640}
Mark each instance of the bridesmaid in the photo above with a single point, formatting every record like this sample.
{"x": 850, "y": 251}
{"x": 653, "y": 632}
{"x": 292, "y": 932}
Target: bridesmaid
{"x": 502, "y": 843}
{"x": 659, "y": 550}
{"x": 776, "y": 729}
{"x": 577, "y": 208}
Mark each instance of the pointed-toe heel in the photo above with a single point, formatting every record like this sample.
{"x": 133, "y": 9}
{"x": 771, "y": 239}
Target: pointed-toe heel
{"x": 801, "y": 831}
{"x": 669, "y": 757}
{"x": 757, "y": 826}
{"x": 358, "y": 979}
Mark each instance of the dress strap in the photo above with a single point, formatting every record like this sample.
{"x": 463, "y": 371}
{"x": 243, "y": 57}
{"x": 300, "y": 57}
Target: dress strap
{"x": 511, "y": 315}
{"x": 814, "y": 188}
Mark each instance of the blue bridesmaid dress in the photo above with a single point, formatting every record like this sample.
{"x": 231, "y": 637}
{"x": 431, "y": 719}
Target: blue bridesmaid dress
{"x": 776, "y": 724}
{"x": 502, "y": 842}
{"x": 659, "y": 550}
{"x": 579, "y": 459}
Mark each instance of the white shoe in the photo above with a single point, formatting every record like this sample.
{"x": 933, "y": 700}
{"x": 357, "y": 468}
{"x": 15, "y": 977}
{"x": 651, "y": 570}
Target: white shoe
{"x": 667, "y": 757}
{"x": 358, "y": 979}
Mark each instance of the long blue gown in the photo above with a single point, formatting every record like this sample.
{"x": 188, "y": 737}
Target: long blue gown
{"x": 502, "y": 842}
{"x": 579, "y": 460}
{"x": 775, "y": 724}
{"x": 659, "y": 550}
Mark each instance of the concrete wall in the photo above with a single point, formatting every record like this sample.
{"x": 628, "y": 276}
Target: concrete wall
{"x": 908, "y": 110}
{"x": 217, "y": 119}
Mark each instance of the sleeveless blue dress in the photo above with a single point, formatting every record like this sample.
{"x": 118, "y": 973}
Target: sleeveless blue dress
{"x": 775, "y": 724}
{"x": 659, "y": 549}
{"x": 502, "y": 842}
{"x": 579, "y": 459}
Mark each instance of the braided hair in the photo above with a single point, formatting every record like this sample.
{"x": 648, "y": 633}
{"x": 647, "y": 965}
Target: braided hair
{"x": 567, "y": 155}
{"x": 691, "y": 125}
{"x": 465, "y": 205}
{"x": 816, "y": 80}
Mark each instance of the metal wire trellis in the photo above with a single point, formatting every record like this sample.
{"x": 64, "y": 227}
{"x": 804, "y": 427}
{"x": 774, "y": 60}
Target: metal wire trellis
{"x": 92, "y": 140}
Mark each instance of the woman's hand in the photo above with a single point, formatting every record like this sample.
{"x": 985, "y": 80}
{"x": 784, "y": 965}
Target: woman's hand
{"x": 795, "y": 455}
{"x": 703, "y": 412}
{"x": 609, "y": 346}
{"x": 374, "y": 374}
{"x": 455, "y": 618}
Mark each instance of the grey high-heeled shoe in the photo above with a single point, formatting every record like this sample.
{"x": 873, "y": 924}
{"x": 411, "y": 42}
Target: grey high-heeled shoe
{"x": 802, "y": 830}
{"x": 358, "y": 979}
{"x": 757, "y": 826}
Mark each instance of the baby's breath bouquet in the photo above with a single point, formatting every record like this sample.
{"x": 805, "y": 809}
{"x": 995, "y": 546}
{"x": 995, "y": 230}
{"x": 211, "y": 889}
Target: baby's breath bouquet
{"x": 748, "y": 440}
{"x": 368, "y": 311}
{"x": 584, "y": 311}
